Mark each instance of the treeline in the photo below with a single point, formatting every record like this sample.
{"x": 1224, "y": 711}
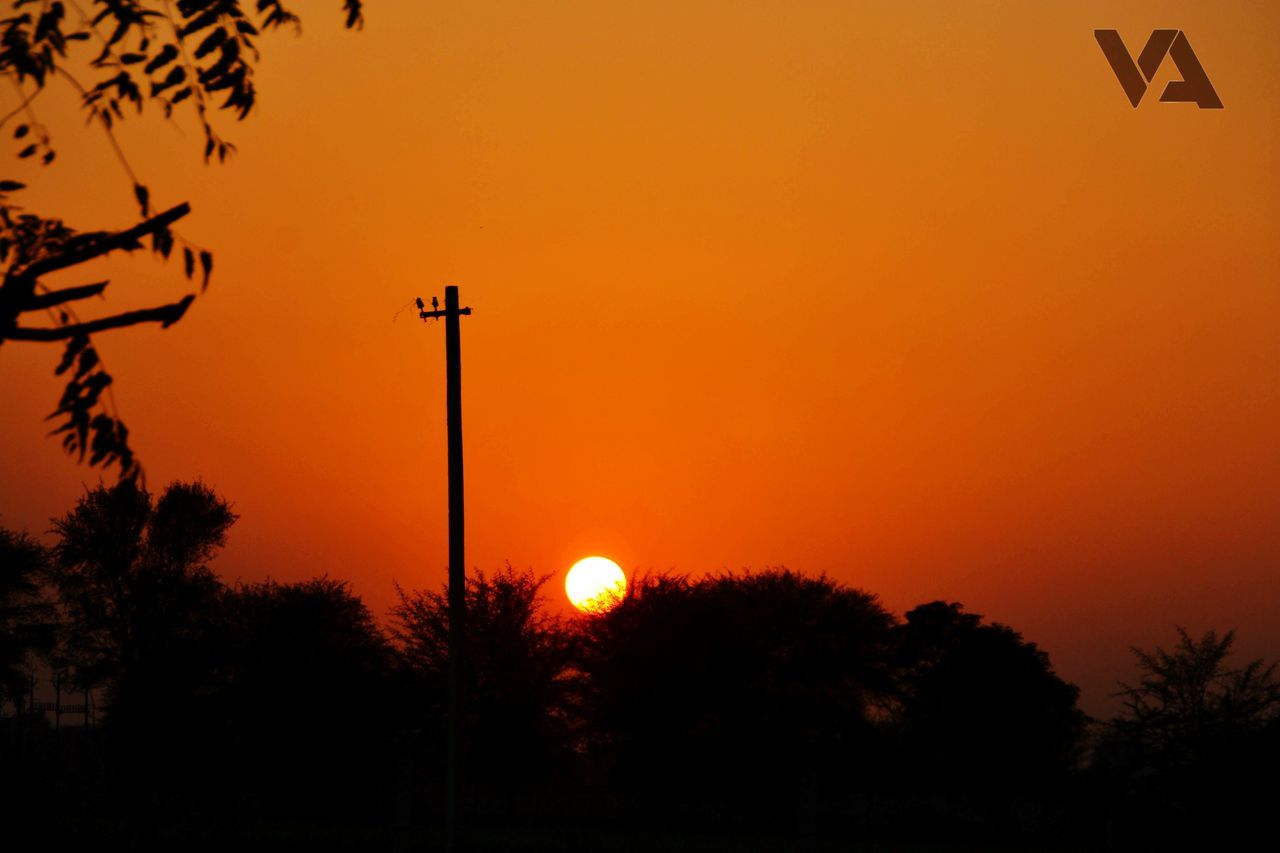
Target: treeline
{"x": 771, "y": 703}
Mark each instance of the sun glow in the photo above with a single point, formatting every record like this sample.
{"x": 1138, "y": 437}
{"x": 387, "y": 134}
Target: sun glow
{"x": 595, "y": 584}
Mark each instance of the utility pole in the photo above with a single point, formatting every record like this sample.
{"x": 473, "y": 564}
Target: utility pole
{"x": 457, "y": 559}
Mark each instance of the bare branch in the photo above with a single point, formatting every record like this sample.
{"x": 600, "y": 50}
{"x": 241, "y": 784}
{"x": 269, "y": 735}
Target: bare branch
{"x": 41, "y": 301}
{"x": 166, "y": 315}
{"x": 26, "y": 102}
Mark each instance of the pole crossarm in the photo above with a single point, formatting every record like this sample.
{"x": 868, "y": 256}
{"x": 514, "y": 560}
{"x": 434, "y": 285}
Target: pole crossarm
{"x": 443, "y": 312}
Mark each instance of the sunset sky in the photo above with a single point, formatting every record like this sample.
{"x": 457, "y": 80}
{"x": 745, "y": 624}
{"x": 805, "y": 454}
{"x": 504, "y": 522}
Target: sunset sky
{"x": 903, "y": 292}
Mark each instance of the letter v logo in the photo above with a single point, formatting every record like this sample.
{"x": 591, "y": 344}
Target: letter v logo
{"x": 1194, "y": 87}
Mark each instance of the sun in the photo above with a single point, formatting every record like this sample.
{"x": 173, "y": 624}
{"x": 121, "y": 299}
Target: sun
{"x": 595, "y": 584}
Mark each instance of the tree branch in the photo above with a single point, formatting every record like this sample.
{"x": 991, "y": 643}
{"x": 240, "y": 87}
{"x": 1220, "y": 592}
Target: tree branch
{"x": 88, "y": 250}
{"x": 47, "y": 300}
{"x": 166, "y": 315}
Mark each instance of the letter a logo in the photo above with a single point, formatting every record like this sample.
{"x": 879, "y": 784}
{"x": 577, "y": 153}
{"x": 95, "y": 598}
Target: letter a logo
{"x": 1194, "y": 87}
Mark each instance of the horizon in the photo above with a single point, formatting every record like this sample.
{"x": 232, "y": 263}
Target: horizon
{"x": 553, "y": 598}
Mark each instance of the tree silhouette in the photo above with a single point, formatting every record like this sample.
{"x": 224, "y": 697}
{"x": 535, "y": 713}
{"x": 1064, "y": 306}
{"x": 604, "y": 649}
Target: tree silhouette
{"x": 1190, "y": 701}
{"x": 301, "y": 709}
{"x": 748, "y": 693}
{"x": 184, "y": 54}
{"x": 133, "y": 579}
{"x": 982, "y": 709}
{"x": 26, "y": 615}
{"x": 141, "y": 617}
{"x": 517, "y": 661}
{"x": 732, "y": 702}
{"x": 1191, "y": 760}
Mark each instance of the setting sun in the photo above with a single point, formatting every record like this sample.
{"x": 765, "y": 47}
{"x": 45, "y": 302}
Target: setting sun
{"x": 595, "y": 584}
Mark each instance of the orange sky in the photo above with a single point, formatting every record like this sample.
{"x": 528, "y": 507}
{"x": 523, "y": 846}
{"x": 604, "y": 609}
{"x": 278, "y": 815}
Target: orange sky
{"x": 905, "y": 292}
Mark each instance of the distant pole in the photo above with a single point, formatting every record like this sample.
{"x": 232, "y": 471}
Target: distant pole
{"x": 457, "y": 559}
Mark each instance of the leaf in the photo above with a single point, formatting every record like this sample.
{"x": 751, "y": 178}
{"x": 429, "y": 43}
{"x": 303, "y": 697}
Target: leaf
{"x": 167, "y": 54}
{"x": 74, "y": 346}
{"x": 203, "y": 21}
{"x": 88, "y": 361}
{"x": 21, "y": 131}
{"x": 132, "y": 58}
{"x": 206, "y": 264}
{"x": 210, "y": 43}
{"x": 177, "y": 309}
{"x": 175, "y": 76}
{"x": 143, "y": 195}
{"x": 189, "y": 261}
{"x": 10, "y": 186}
{"x": 27, "y": 152}
{"x": 355, "y": 14}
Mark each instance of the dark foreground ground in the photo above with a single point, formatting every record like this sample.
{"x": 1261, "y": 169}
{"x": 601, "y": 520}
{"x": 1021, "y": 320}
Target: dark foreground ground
{"x": 287, "y": 838}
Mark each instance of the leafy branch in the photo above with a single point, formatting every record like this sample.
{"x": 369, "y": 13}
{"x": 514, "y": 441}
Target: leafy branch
{"x": 164, "y": 52}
